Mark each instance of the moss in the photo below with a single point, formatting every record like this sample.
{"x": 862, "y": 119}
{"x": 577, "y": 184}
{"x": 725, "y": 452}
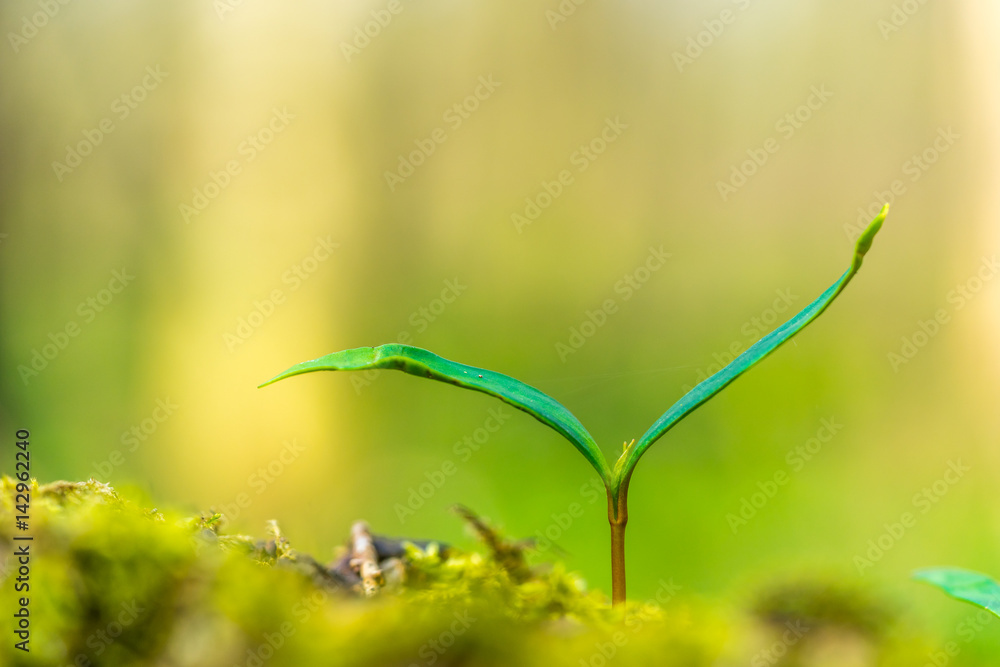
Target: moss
{"x": 115, "y": 584}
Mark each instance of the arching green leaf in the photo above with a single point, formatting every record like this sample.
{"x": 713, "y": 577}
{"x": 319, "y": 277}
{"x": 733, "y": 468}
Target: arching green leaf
{"x": 420, "y": 362}
{"x": 972, "y": 587}
{"x": 716, "y": 383}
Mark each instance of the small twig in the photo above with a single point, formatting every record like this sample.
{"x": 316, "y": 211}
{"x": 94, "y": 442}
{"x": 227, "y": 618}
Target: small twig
{"x": 509, "y": 555}
{"x": 364, "y": 559}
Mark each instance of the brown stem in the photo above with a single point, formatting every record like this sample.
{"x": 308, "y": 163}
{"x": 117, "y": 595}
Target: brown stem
{"x": 618, "y": 518}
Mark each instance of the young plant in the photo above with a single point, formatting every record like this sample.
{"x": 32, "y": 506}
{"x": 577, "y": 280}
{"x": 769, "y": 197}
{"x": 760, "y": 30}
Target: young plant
{"x": 550, "y": 412}
{"x": 965, "y": 585}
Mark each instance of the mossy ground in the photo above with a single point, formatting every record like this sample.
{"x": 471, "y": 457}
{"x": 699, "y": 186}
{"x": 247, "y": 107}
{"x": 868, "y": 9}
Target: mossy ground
{"x": 116, "y": 584}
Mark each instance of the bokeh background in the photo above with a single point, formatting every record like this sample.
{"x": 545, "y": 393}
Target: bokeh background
{"x": 329, "y": 121}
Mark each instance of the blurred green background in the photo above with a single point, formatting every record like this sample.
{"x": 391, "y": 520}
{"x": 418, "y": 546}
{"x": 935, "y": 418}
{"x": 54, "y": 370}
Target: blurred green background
{"x": 308, "y": 116}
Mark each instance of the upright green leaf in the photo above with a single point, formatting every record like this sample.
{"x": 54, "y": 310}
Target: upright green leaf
{"x": 972, "y": 587}
{"x": 716, "y": 383}
{"x": 420, "y": 362}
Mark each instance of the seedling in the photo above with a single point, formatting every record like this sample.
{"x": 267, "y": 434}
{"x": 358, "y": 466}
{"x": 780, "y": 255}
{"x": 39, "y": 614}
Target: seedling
{"x": 416, "y": 361}
{"x": 972, "y": 587}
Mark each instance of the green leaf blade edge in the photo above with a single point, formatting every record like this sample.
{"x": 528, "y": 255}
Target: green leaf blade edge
{"x": 423, "y": 363}
{"x": 966, "y": 585}
{"x": 753, "y": 355}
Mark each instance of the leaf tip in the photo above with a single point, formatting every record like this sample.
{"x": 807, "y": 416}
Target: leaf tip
{"x": 864, "y": 242}
{"x": 294, "y": 370}
{"x": 271, "y": 381}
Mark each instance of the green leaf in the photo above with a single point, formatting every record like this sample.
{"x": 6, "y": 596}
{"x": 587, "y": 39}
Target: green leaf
{"x": 965, "y": 585}
{"x": 420, "y": 362}
{"x": 716, "y": 383}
